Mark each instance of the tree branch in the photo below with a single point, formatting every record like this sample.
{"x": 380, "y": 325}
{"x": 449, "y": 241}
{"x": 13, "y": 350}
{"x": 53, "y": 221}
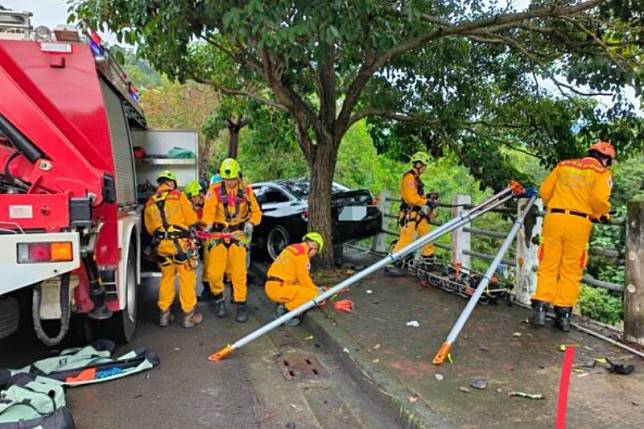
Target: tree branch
{"x": 242, "y": 93}
{"x": 508, "y": 20}
{"x": 387, "y": 113}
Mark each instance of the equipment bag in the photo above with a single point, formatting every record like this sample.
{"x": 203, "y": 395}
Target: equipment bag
{"x": 31, "y": 401}
{"x": 92, "y": 364}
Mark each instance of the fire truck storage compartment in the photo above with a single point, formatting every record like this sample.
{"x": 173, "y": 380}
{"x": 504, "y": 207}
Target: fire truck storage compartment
{"x": 157, "y": 144}
{"x": 122, "y": 147}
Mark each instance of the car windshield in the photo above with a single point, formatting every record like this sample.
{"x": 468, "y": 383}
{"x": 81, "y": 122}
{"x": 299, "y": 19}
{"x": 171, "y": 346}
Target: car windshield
{"x": 300, "y": 188}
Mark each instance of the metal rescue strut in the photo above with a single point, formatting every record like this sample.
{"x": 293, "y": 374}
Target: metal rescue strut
{"x": 445, "y": 348}
{"x": 513, "y": 189}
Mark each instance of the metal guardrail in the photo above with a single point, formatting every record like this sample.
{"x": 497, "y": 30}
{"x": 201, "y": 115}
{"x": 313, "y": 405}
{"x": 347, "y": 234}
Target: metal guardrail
{"x": 616, "y": 255}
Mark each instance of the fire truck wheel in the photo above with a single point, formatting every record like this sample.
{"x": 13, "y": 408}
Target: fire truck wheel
{"x": 122, "y": 325}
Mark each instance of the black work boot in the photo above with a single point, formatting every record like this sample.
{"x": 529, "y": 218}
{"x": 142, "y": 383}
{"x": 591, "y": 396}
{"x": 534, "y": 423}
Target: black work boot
{"x": 242, "y": 313}
{"x": 395, "y": 269}
{"x": 280, "y": 310}
{"x": 220, "y": 305}
{"x": 206, "y": 295}
{"x": 538, "y": 318}
{"x": 562, "y": 318}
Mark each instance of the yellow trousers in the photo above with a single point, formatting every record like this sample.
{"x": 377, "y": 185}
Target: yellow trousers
{"x": 231, "y": 260}
{"x": 187, "y": 285}
{"x": 411, "y": 231}
{"x": 292, "y": 295}
{"x": 562, "y": 258}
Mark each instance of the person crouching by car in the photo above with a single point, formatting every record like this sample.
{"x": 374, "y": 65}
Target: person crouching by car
{"x": 289, "y": 283}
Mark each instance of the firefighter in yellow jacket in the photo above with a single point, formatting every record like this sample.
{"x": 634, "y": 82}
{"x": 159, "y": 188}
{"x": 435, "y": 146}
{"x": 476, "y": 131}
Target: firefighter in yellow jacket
{"x": 288, "y": 281}
{"x": 168, "y": 218}
{"x": 415, "y": 208}
{"x": 575, "y": 192}
{"x": 230, "y": 208}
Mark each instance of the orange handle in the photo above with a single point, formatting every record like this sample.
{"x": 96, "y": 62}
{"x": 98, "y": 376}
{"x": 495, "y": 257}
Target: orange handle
{"x": 442, "y": 354}
{"x": 516, "y": 187}
{"x": 221, "y": 354}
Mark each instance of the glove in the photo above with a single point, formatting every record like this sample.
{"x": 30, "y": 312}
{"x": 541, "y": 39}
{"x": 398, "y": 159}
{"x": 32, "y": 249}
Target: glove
{"x": 529, "y": 193}
{"x": 248, "y": 228}
{"x": 432, "y": 200}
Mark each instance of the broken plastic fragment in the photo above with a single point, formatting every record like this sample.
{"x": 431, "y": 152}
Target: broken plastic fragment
{"x": 517, "y": 334}
{"x": 413, "y": 324}
{"x": 345, "y": 305}
{"x": 527, "y": 395}
{"x": 464, "y": 389}
{"x": 438, "y": 377}
{"x": 369, "y": 291}
{"x": 479, "y": 383}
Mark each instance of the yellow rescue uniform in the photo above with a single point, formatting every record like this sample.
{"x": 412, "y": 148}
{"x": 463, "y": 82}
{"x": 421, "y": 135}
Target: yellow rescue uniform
{"x": 288, "y": 280}
{"x": 575, "y": 192}
{"x": 413, "y": 222}
{"x": 173, "y": 245}
{"x": 227, "y": 209}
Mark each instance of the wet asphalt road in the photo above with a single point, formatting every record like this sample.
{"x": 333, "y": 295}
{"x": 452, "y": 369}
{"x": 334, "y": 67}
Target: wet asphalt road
{"x": 248, "y": 390}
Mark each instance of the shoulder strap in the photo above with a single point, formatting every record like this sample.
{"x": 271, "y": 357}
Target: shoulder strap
{"x": 297, "y": 249}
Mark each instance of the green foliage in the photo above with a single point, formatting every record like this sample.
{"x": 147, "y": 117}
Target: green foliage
{"x": 598, "y": 304}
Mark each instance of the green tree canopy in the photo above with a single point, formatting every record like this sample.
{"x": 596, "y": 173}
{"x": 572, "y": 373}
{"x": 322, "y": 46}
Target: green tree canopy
{"x": 454, "y": 73}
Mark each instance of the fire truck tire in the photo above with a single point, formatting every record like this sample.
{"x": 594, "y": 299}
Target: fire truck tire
{"x": 122, "y": 325}
{"x": 9, "y": 316}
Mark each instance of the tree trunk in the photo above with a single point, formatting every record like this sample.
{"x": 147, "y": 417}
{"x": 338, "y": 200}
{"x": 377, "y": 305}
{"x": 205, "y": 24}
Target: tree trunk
{"x": 233, "y": 130}
{"x": 322, "y": 165}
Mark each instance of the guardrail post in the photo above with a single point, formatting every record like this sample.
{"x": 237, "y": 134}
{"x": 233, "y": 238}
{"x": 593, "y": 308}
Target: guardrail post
{"x": 461, "y": 240}
{"x": 378, "y": 244}
{"x": 634, "y": 279}
{"x": 526, "y": 252}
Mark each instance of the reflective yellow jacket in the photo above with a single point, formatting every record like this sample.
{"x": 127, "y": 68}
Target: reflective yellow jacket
{"x": 410, "y": 192}
{"x": 231, "y": 207}
{"x": 292, "y": 266}
{"x": 178, "y": 212}
{"x": 582, "y": 185}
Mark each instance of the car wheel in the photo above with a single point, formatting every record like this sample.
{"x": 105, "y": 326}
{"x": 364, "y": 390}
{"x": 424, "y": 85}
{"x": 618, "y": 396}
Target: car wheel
{"x": 276, "y": 241}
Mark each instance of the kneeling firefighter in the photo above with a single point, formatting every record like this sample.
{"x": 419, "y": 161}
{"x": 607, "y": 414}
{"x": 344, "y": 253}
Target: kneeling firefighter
{"x": 168, "y": 219}
{"x": 575, "y": 192}
{"x": 288, "y": 280}
{"x": 232, "y": 210}
{"x": 415, "y": 208}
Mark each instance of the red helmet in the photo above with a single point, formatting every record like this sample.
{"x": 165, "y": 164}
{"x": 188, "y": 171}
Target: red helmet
{"x": 604, "y": 148}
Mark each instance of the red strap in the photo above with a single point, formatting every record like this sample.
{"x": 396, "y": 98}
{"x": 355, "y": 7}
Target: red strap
{"x": 297, "y": 248}
{"x": 564, "y": 383}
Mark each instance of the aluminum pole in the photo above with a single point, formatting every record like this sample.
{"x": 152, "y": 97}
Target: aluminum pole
{"x": 445, "y": 348}
{"x": 455, "y": 223}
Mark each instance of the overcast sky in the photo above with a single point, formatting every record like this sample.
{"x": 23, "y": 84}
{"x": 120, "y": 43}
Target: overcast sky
{"x": 54, "y": 12}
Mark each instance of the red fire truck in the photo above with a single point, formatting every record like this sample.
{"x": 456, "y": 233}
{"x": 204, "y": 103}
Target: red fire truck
{"x": 70, "y": 216}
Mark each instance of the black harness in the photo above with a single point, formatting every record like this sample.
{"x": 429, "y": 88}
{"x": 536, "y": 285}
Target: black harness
{"x": 409, "y": 213}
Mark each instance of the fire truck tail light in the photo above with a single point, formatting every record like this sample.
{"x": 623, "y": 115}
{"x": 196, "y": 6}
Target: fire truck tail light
{"x": 60, "y": 251}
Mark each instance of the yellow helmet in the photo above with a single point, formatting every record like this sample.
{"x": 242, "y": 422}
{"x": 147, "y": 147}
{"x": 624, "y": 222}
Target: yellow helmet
{"x": 192, "y": 189}
{"x": 420, "y": 156}
{"x": 229, "y": 169}
{"x": 167, "y": 175}
{"x": 316, "y": 238}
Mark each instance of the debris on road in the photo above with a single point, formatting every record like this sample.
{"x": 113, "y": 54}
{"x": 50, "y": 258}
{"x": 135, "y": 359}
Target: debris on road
{"x": 464, "y": 389}
{"x": 310, "y": 337}
{"x": 413, "y": 324}
{"x": 413, "y": 398}
{"x": 345, "y": 306}
{"x": 527, "y": 395}
{"x": 376, "y": 347}
{"x": 369, "y": 291}
{"x": 479, "y": 383}
{"x": 439, "y": 377}
{"x": 517, "y": 334}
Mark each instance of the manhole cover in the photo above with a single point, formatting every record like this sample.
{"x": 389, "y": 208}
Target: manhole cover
{"x": 300, "y": 366}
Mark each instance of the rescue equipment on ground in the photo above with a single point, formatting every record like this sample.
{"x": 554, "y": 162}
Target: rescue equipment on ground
{"x": 512, "y": 190}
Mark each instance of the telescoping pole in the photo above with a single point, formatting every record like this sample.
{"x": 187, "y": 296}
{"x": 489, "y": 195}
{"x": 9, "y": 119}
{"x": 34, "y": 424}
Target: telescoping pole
{"x": 513, "y": 188}
{"x": 445, "y": 348}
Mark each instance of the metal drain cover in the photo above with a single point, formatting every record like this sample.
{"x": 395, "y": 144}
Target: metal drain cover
{"x": 299, "y": 366}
